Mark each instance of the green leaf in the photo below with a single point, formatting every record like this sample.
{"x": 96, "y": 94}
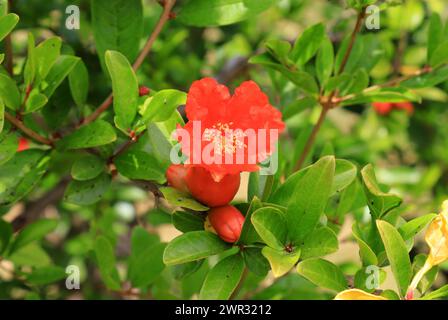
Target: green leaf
{"x": 21, "y": 174}
{"x": 46, "y": 54}
{"x": 124, "y": 88}
{"x": 193, "y": 246}
{"x": 279, "y": 49}
{"x": 185, "y": 221}
{"x": 87, "y": 192}
{"x": 430, "y": 276}
{"x": 440, "y": 55}
{"x": 397, "y": 254}
{"x": 162, "y": 105}
{"x": 2, "y": 57}
{"x": 435, "y": 34}
{"x": 29, "y": 71}
{"x": 181, "y": 271}
{"x": 223, "y": 279}
{"x": 280, "y": 260}
{"x": 95, "y": 134}
{"x": 7, "y": 24}
{"x": 31, "y": 255}
{"x": 383, "y": 95}
{"x": 367, "y": 255}
{"x": 105, "y": 257}
{"x": 271, "y": 226}
{"x": 58, "y": 72}
{"x": 46, "y": 275}
{"x": 201, "y": 13}
{"x": 5, "y": 235}
{"x": 318, "y": 243}
{"x": 298, "y": 106}
{"x": 9, "y": 92}
{"x": 8, "y": 146}
{"x": 365, "y": 277}
{"x": 136, "y": 164}
{"x": 356, "y": 55}
{"x": 145, "y": 263}
{"x": 248, "y": 233}
{"x": 325, "y": 61}
{"x": 2, "y": 115}
{"x": 255, "y": 261}
{"x": 79, "y": 83}
{"x": 345, "y": 173}
{"x": 307, "y": 44}
{"x": 34, "y": 231}
{"x": 437, "y": 294}
{"x": 428, "y": 79}
{"x": 35, "y": 101}
{"x": 411, "y": 228}
{"x": 323, "y": 273}
{"x": 309, "y": 198}
{"x": 180, "y": 199}
{"x": 379, "y": 202}
{"x": 87, "y": 167}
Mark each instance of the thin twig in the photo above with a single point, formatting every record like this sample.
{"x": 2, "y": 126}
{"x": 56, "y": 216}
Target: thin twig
{"x": 30, "y": 133}
{"x": 164, "y": 17}
{"x": 329, "y": 103}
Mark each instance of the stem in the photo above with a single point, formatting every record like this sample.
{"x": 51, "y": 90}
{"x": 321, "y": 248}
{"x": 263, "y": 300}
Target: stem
{"x": 329, "y": 104}
{"x": 9, "y": 63}
{"x": 30, "y": 133}
{"x": 164, "y": 17}
{"x": 311, "y": 138}
{"x": 417, "y": 278}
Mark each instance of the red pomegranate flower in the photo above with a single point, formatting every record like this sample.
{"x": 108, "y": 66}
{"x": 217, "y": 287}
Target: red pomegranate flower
{"x": 223, "y": 127}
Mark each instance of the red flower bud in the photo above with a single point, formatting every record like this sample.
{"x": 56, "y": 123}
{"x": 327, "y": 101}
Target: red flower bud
{"x": 143, "y": 91}
{"x": 210, "y": 192}
{"x": 407, "y": 106}
{"x": 227, "y": 222}
{"x": 382, "y": 108}
{"x": 175, "y": 176}
{"x": 23, "y": 145}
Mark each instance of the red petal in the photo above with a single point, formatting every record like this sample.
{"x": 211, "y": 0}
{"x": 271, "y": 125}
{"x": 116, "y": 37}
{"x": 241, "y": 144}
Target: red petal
{"x": 206, "y": 99}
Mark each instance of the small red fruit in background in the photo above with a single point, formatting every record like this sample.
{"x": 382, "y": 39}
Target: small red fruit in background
{"x": 407, "y": 106}
{"x": 175, "y": 176}
{"x": 227, "y": 221}
{"x": 23, "y": 145}
{"x": 382, "y": 108}
{"x": 143, "y": 91}
{"x": 210, "y": 192}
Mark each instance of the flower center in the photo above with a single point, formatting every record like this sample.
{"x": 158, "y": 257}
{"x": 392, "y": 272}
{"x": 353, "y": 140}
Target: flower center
{"x": 224, "y": 138}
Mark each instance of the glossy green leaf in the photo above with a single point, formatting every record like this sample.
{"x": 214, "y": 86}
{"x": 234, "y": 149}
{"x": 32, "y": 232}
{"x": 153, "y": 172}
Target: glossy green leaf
{"x": 58, "y": 72}
{"x": 414, "y": 226}
{"x": 440, "y": 55}
{"x": 180, "y": 199}
{"x": 87, "y": 167}
{"x": 35, "y": 231}
{"x": 105, "y": 257}
{"x": 248, "y": 232}
{"x": 31, "y": 255}
{"x": 397, "y": 254}
{"x": 367, "y": 255}
{"x": 437, "y": 294}
{"x": 435, "y": 34}
{"x": 117, "y": 25}
{"x": 95, "y": 134}
{"x": 320, "y": 242}
{"x": 46, "y": 54}
{"x": 270, "y": 224}
{"x": 2, "y": 116}
{"x": 8, "y": 146}
{"x": 124, "y": 87}
{"x": 324, "y": 61}
{"x": 29, "y": 71}
{"x": 136, "y": 164}
{"x": 280, "y": 260}
{"x": 223, "y": 279}
{"x": 309, "y": 198}
{"x": 378, "y": 201}
{"x": 7, "y": 24}
{"x": 9, "y": 92}
{"x": 87, "y": 192}
{"x": 255, "y": 261}
{"x": 46, "y": 275}
{"x": 35, "y": 101}
{"x": 193, "y": 246}
{"x": 201, "y": 13}
{"x": 20, "y": 174}
{"x": 79, "y": 83}
{"x": 323, "y": 273}
{"x": 161, "y": 106}
{"x": 307, "y": 44}
{"x": 185, "y": 221}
